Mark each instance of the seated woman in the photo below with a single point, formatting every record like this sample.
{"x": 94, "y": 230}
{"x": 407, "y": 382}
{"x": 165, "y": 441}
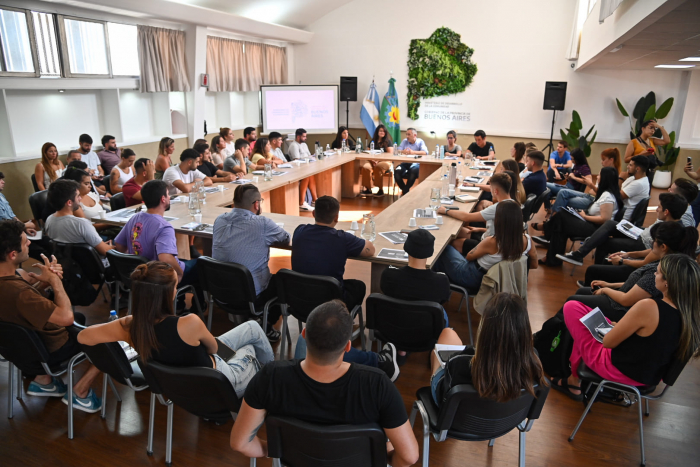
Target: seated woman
{"x": 343, "y": 135}
{"x": 218, "y": 151}
{"x": 497, "y": 372}
{"x": 579, "y": 178}
{"x": 208, "y": 168}
{"x": 377, "y": 169}
{"x": 565, "y": 225}
{"x": 262, "y": 154}
{"x": 50, "y": 168}
{"x": 90, "y": 206}
{"x": 615, "y": 298}
{"x": 648, "y": 338}
{"x": 507, "y": 244}
{"x": 122, "y": 172}
{"x": 158, "y": 335}
{"x": 517, "y": 152}
{"x": 452, "y": 148}
{"x": 164, "y": 161}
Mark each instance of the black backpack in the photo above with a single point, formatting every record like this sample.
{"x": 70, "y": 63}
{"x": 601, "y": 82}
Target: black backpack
{"x": 554, "y": 345}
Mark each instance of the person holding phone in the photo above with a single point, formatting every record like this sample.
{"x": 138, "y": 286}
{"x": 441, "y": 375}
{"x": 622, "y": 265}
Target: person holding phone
{"x": 157, "y": 334}
{"x": 645, "y": 143}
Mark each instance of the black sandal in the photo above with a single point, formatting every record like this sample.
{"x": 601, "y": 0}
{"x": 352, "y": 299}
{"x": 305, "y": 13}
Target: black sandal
{"x": 562, "y": 385}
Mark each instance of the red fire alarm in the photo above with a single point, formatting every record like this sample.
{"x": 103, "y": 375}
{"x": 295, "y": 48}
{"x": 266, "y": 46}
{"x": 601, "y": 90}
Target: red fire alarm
{"x": 205, "y": 80}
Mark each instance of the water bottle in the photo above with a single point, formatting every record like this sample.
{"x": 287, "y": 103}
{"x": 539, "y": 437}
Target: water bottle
{"x": 202, "y": 196}
{"x": 358, "y": 146}
{"x": 371, "y": 147}
{"x": 442, "y": 152}
{"x": 460, "y": 173}
{"x": 396, "y": 148}
{"x": 437, "y": 151}
{"x": 453, "y": 174}
{"x": 373, "y": 228}
{"x": 328, "y": 147}
{"x": 445, "y": 190}
{"x": 268, "y": 173}
{"x": 343, "y": 146}
{"x": 113, "y": 315}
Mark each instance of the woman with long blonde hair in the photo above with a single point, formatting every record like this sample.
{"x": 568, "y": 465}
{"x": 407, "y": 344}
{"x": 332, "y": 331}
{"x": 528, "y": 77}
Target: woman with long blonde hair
{"x": 50, "y": 168}
{"x": 166, "y": 148}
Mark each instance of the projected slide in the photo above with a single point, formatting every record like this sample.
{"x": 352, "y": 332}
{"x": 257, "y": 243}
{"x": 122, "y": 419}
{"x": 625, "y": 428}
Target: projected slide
{"x": 286, "y": 108}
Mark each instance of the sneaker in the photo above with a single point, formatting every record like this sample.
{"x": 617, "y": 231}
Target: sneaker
{"x": 366, "y": 192}
{"x": 306, "y": 207}
{"x": 572, "y": 258}
{"x": 380, "y": 193}
{"x": 194, "y": 253}
{"x": 387, "y": 361}
{"x": 90, "y": 404}
{"x": 56, "y": 388}
{"x": 273, "y": 335}
{"x": 540, "y": 240}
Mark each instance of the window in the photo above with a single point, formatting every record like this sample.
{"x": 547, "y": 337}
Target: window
{"x": 85, "y": 48}
{"x": 17, "y": 48}
{"x": 46, "y": 44}
{"x": 123, "y": 49}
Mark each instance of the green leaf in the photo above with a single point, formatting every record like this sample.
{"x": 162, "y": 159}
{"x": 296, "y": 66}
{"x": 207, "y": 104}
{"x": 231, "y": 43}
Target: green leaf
{"x": 582, "y": 143}
{"x": 664, "y": 108}
{"x": 672, "y": 136}
{"x": 587, "y": 151}
{"x": 649, "y": 100}
{"x": 622, "y": 108}
{"x": 576, "y": 121}
{"x": 640, "y": 108}
{"x": 650, "y": 113}
{"x": 593, "y": 139}
{"x": 589, "y": 132}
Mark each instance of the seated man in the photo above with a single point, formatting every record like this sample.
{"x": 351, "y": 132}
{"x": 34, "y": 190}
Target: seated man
{"x": 182, "y": 177}
{"x": 207, "y": 167}
{"x": 25, "y": 305}
{"x": 149, "y": 235}
{"x": 110, "y": 155}
{"x": 92, "y": 160}
{"x": 536, "y": 181}
{"x": 322, "y": 389}
{"x": 298, "y": 148}
{"x": 6, "y": 211}
{"x": 411, "y": 145}
{"x": 275, "y": 139}
{"x": 243, "y": 236}
{"x": 144, "y": 171}
{"x": 559, "y": 162}
{"x": 63, "y": 226}
{"x": 74, "y": 155}
{"x": 239, "y": 162}
{"x": 322, "y": 250}
{"x": 480, "y": 148}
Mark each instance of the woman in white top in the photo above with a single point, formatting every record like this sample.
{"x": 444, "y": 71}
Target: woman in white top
{"x": 227, "y": 135}
{"x": 508, "y": 243}
{"x": 122, "y": 172}
{"x": 50, "y": 168}
{"x": 218, "y": 151}
{"x": 565, "y": 225}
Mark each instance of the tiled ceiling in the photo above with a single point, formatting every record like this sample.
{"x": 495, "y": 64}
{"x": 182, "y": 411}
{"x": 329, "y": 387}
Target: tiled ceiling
{"x": 671, "y": 38}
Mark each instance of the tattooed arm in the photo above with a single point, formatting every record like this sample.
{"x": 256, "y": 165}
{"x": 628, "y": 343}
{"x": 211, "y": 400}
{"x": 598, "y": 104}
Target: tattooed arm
{"x": 368, "y": 249}
{"x": 244, "y": 437}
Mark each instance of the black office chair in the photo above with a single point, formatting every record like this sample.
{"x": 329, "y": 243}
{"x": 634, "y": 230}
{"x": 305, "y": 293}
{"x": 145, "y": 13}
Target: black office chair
{"x": 123, "y": 265}
{"x": 24, "y": 349}
{"x": 91, "y": 268}
{"x": 527, "y": 206}
{"x": 204, "y": 392}
{"x": 534, "y": 208}
{"x": 590, "y": 378}
{"x": 294, "y": 443}
{"x": 639, "y": 213}
{"x": 117, "y": 202}
{"x": 106, "y": 183}
{"x": 298, "y": 294}
{"x": 465, "y": 416}
{"x": 111, "y": 360}
{"x": 231, "y": 287}
{"x": 34, "y": 183}
{"x": 37, "y": 203}
{"x": 410, "y": 326}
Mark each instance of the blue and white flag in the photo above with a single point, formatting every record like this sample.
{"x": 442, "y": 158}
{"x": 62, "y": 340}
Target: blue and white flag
{"x": 370, "y": 110}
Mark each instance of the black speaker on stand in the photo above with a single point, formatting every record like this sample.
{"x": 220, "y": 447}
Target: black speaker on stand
{"x": 554, "y": 99}
{"x": 348, "y": 93}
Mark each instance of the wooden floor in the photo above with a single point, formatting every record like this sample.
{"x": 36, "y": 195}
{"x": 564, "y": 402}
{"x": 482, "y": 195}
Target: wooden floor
{"x": 609, "y": 436}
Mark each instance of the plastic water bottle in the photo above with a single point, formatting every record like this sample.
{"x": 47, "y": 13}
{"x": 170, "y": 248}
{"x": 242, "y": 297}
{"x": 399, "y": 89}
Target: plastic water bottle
{"x": 445, "y": 190}
{"x": 358, "y": 146}
{"x": 460, "y": 174}
{"x": 396, "y": 148}
{"x": 113, "y": 315}
{"x": 442, "y": 152}
{"x": 328, "y": 147}
{"x": 437, "y": 151}
{"x": 371, "y": 147}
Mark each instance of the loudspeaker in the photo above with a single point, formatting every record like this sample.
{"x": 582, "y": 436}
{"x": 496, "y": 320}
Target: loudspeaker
{"x": 554, "y": 95}
{"x": 348, "y": 88}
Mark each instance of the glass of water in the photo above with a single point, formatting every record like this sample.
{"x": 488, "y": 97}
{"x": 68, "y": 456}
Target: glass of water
{"x": 435, "y": 198}
{"x": 268, "y": 173}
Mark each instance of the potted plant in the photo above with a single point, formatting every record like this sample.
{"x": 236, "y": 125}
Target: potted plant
{"x": 573, "y": 135}
{"x": 668, "y": 155}
{"x": 644, "y": 110}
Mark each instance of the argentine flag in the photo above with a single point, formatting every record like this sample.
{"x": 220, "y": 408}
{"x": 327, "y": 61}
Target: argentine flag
{"x": 370, "y": 110}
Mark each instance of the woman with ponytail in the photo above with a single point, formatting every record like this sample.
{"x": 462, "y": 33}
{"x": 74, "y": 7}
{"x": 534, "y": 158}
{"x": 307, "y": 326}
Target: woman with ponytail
{"x": 158, "y": 335}
{"x": 645, "y": 144}
{"x": 653, "y": 333}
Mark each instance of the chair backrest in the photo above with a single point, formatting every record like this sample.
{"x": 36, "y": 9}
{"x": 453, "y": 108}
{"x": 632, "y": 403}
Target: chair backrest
{"x": 110, "y": 358}
{"x": 117, "y": 202}
{"x": 301, "y": 444}
{"x": 37, "y": 202}
{"x": 640, "y": 212}
{"x": 23, "y": 347}
{"x": 230, "y": 284}
{"x": 106, "y": 183}
{"x": 527, "y": 206}
{"x": 85, "y": 256}
{"x": 123, "y": 265}
{"x": 674, "y": 370}
{"x": 620, "y": 214}
{"x": 539, "y": 201}
{"x": 204, "y": 392}
{"x": 466, "y": 415}
{"x": 304, "y": 292}
{"x": 413, "y": 326}
{"x": 34, "y": 183}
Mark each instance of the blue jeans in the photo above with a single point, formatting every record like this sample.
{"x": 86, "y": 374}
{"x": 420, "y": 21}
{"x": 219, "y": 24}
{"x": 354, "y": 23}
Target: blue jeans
{"x": 434, "y": 382}
{"x": 462, "y": 272}
{"x": 252, "y": 352}
{"x": 353, "y": 356}
{"x": 573, "y": 198}
{"x": 410, "y": 172}
{"x": 695, "y": 205}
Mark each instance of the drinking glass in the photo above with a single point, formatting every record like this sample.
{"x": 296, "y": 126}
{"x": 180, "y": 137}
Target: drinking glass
{"x": 268, "y": 173}
{"x": 435, "y": 198}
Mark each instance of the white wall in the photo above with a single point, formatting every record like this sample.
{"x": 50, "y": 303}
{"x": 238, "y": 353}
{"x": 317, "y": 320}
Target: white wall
{"x": 689, "y": 136}
{"x": 518, "y": 47}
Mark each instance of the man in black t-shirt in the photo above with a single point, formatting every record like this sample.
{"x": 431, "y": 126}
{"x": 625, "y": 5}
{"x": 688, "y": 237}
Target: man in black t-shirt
{"x": 207, "y": 167}
{"x": 480, "y": 148}
{"x": 322, "y": 389}
{"x": 536, "y": 181}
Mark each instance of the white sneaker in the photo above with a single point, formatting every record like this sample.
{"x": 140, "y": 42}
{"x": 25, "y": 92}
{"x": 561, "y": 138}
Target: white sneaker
{"x": 306, "y": 207}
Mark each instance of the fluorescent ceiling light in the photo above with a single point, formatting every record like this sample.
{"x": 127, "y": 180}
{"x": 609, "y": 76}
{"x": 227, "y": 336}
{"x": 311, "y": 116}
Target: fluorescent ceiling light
{"x": 690, "y": 59}
{"x": 674, "y": 66}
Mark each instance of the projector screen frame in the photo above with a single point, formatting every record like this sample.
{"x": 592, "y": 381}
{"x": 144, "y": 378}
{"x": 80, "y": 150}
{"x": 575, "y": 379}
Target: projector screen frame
{"x": 309, "y": 130}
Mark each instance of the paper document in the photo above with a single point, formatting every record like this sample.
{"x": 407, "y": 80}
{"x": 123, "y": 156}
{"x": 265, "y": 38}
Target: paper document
{"x": 484, "y": 174}
{"x": 284, "y": 166}
{"x": 629, "y": 229}
{"x": 473, "y": 179}
{"x": 597, "y": 323}
{"x": 212, "y": 189}
{"x": 241, "y": 181}
{"x": 395, "y": 255}
{"x": 466, "y": 199}
{"x": 446, "y": 201}
{"x": 131, "y": 354}
{"x": 469, "y": 189}
{"x": 430, "y": 227}
{"x": 277, "y": 172}
{"x": 573, "y": 212}
{"x": 394, "y": 237}
{"x": 36, "y": 237}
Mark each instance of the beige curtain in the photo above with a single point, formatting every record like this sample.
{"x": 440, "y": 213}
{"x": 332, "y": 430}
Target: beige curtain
{"x": 274, "y": 64}
{"x": 235, "y": 65}
{"x": 162, "y": 60}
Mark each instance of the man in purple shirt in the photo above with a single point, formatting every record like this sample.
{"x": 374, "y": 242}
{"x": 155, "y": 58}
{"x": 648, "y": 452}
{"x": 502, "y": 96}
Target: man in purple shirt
{"x": 149, "y": 235}
{"x": 110, "y": 155}
{"x": 411, "y": 145}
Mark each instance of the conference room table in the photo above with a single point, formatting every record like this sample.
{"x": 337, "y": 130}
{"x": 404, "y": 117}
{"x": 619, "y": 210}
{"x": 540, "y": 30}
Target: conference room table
{"x": 282, "y": 193}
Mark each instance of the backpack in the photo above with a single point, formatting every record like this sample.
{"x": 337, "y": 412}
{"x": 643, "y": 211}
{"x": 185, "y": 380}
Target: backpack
{"x": 554, "y": 345}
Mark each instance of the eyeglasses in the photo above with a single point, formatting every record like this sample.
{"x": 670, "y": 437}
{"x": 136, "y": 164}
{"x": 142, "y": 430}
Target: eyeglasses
{"x": 261, "y": 200}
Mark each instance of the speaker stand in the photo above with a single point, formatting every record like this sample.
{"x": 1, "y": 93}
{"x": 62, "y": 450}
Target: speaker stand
{"x": 551, "y": 135}
{"x": 347, "y": 115}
